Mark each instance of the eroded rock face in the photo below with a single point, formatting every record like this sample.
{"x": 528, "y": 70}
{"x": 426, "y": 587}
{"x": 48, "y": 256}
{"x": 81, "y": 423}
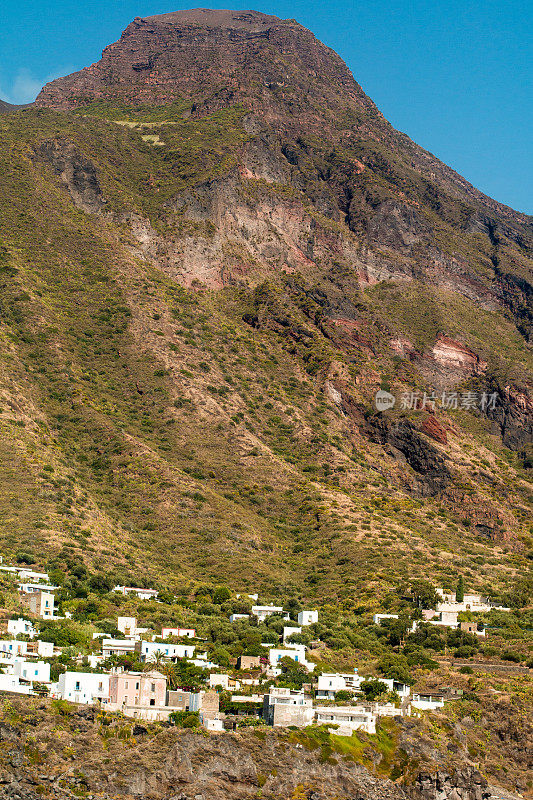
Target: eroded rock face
{"x": 76, "y": 171}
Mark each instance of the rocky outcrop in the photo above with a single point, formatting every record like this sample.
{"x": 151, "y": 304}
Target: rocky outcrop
{"x": 76, "y": 171}
{"x": 427, "y": 462}
{"x": 465, "y": 784}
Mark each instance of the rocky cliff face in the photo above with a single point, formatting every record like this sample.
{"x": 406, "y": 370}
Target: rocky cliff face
{"x": 112, "y": 757}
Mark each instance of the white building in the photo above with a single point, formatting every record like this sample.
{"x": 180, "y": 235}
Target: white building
{"x": 16, "y": 627}
{"x": 403, "y": 690}
{"x": 329, "y": 683}
{"x": 427, "y": 702}
{"x": 11, "y": 683}
{"x": 117, "y": 647}
{"x": 288, "y": 631}
{"x": 83, "y": 687}
{"x": 224, "y": 681}
{"x": 142, "y": 594}
{"x": 188, "y": 633}
{"x": 377, "y": 619}
{"x": 235, "y": 617}
{"x": 28, "y": 588}
{"x": 31, "y": 671}
{"x": 307, "y": 617}
{"x": 13, "y": 647}
{"x": 127, "y": 626}
{"x": 262, "y": 612}
{"x": 347, "y": 718}
{"x": 447, "y": 619}
{"x": 295, "y": 651}
{"x": 26, "y": 574}
{"x": 149, "y": 650}
{"x": 470, "y": 602}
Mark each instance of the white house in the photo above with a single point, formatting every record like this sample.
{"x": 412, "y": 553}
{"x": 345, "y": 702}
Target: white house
{"x": 288, "y": 631}
{"x": 13, "y": 647}
{"x": 127, "y": 626}
{"x": 28, "y": 588}
{"x": 307, "y": 617}
{"x": 427, "y": 702}
{"x": 188, "y": 633}
{"x": 235, "y": 617}
{"x": 283, "y": 707}
{"x": 26, "y": 574}
{"x": 447, "y": 619}
{"x": 11, "y": 683}
{"x": 348, "y": 719}
{"x": 224, "y": 681}
{"x": 296, "y": 652}
{"x": 83, "y": 687}
{"x": 148, "y": 650}
{"x": 403, "y": 690}
{"x": 142, "y": 594}
{"x": 377, "y": 619}
{"x": 15, "y": 627}
{"x": 117, "y": 647}
{"x": 32, "y": 671}
{"x": 262, "y": 612}
{"x": 329, "y": 683}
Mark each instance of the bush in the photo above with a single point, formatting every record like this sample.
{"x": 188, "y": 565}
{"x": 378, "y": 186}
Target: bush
{"x": 508, "y": 655}
{"x": 467, "y": 670}
{"x": 184, "y": 719}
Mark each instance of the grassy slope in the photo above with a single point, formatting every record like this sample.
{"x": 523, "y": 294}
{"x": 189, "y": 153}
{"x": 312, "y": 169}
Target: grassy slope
{"x": 149, "y": 427}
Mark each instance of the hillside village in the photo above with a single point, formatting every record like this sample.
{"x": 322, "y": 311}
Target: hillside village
{"x": 170, "y": 675}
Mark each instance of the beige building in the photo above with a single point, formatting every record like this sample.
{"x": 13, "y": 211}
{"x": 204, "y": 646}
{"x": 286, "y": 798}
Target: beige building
{"x": 40, "y": 604}
{"x": 283, "y": 707}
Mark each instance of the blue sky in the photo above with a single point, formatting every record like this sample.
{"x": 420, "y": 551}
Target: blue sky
{"x": 455, "y": 75}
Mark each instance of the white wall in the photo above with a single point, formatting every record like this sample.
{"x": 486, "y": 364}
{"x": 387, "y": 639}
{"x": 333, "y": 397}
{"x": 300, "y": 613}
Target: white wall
{"x": 83, "y": 687}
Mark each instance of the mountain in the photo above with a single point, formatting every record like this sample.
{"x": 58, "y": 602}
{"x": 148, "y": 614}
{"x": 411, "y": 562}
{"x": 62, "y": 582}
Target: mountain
{"x": 214, "y": 252}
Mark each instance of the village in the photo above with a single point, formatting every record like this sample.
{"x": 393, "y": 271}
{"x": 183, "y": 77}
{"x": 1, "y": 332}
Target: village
{"x": 251, "y": 691}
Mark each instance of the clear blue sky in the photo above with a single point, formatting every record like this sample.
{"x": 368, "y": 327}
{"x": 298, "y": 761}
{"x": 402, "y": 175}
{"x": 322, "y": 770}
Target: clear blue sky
{"x": 455, "y": 75}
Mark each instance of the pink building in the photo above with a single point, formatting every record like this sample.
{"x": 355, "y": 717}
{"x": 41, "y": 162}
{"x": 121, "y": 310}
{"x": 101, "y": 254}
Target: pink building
{"x": 128, "y": 689}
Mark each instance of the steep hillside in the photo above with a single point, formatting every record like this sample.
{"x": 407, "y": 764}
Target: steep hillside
{"x": 214, "y": 251}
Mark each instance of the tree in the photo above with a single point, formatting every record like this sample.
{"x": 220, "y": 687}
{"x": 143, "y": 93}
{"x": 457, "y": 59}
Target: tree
{"x": 373, "y": 688}
{"x": 221, "y": 594}
{"x": 100, "y": 584}
{"x": 344, "y": 696}
{"x": 395, "y": 667}
{"x": 156, "y": 662}
{"x": 460, "y": 590}
{"x": 424, "y": 594}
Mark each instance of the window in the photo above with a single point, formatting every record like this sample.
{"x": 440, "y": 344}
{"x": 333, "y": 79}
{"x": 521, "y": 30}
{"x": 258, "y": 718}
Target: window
{"x": 126, "y": 684}
{"x": 77, "y": 685}
{"x": 100, "y": 686}
{"x": 153, "y": 687}
{"x": 137, "y": 685}
{"x": 152, "y": 702}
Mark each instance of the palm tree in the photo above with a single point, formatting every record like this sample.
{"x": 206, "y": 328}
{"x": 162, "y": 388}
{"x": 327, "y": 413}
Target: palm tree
{"x": 172, "y": 675}
{"x": 156, "y": 663}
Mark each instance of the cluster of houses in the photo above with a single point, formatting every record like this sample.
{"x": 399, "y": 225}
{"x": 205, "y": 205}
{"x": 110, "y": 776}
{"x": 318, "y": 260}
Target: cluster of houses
{"x": 146, "y": 695}
{"x": 447, "y": 610}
